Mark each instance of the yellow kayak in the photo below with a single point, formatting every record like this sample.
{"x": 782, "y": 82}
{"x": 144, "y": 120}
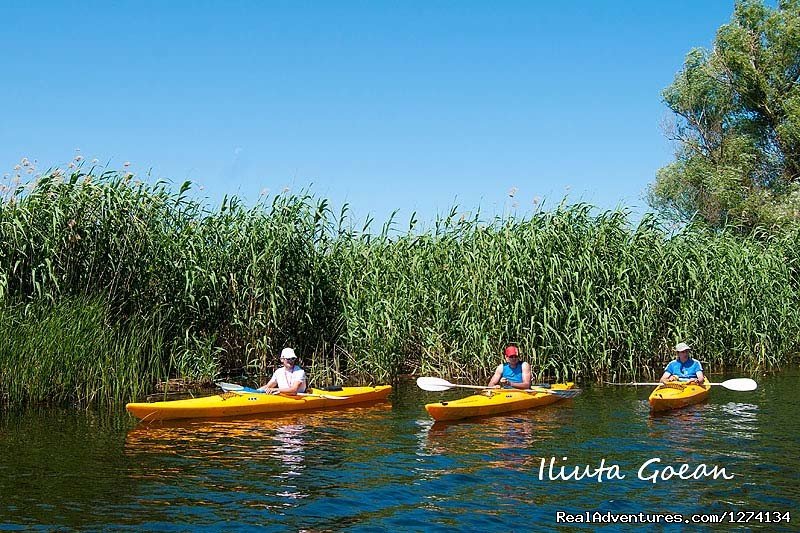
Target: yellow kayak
{"x": 674, "y": 395}
{"x": 249, "y": 403}
{"x": 494, "y": 401}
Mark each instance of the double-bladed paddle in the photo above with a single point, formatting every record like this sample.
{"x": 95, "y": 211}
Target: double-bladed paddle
{"x": 233, "y": 387}
{"x": 432, "y": 384}
{"x": 737, "y": 384}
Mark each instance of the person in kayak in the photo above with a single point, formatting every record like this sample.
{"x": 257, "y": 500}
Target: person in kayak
{"x": 289, "y": 379}
{"x": 513, "y": 373}
{"x": 684, "y": 368}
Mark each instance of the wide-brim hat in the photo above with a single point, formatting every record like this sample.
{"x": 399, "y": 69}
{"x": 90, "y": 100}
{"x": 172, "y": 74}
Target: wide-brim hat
{"x": 288, "y": 353}
{"x": 682, "y": 347}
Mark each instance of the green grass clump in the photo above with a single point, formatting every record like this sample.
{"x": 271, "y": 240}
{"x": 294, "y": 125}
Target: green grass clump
{"x": 76, "y": 351}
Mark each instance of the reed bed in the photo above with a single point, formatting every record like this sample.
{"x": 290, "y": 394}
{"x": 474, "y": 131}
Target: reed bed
{"x": 109, "y": 285}
{"x": 75, "y": 351}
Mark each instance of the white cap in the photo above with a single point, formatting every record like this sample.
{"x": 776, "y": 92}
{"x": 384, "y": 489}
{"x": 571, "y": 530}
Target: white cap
{"x": 682, "y": 347}
{"x": 288, "y": 353}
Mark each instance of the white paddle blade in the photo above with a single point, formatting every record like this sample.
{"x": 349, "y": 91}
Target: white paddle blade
{"x": 561, "y": 393}
{"x": 229, "y": 387}
{"x": 740, "y": 384}
{"x": 433, "y": 384}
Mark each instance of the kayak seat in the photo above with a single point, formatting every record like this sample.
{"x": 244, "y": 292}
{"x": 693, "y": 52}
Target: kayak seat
{"x": 330, "y": 388}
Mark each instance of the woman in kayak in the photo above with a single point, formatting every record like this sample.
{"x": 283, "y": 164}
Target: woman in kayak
{"x": 685, "y": 368}
{"x": 513, "y": 373}
{"x": 290, "y": 379}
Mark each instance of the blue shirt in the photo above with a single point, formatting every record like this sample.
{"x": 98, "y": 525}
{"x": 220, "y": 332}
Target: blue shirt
{"x": 514, "y": 375}
{"x": 684, "y": 371}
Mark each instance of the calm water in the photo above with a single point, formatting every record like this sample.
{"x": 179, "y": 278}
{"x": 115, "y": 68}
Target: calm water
{"x": 387, "y": 466}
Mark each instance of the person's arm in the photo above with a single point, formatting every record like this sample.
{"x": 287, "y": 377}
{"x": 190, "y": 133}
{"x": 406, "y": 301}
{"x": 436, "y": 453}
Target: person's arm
{"x": 666, "y": 377}
{"x": 298, "y": 378}
{"x": 270, "y": 386}
{"x": 700, "y": 377}
{"x": 526, "y": 375}
{"x": 496, "y": 378}
{"x": 290, "y": 390}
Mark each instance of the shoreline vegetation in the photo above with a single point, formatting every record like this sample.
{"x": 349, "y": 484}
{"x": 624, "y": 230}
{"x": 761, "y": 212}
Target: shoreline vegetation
{"x": 110, "y": 285}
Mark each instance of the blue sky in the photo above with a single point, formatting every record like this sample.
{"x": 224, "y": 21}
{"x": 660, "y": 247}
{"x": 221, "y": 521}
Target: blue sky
{"x": 415, "y": 106}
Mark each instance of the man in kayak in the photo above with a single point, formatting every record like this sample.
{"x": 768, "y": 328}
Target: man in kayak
{"x": 685, "y": 368}
{"x": 289, "y": 379}
{"x": 513, "y": 374}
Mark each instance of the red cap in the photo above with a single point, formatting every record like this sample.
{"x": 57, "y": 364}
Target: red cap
{"x": 511, "y": 350}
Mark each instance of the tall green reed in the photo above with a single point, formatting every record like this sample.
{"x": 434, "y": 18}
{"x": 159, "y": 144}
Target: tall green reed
{"x": 585, "y": 296}
{"x": 224, "y": 289}
{"x": 76, "y": 351}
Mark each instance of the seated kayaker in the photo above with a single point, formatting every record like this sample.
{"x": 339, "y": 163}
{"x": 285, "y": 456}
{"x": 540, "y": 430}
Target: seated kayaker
{"x": 289, "y": 379}
{"x": 684, "y": 368}
{"x": 513, "y": 373}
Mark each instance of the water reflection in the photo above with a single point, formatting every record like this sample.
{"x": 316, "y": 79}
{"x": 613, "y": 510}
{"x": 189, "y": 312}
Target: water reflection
{"x": 512, "y": 430}
{"x": 238, "y": 435}
{"x": 261, "y": 463}
{"x": 739, "y": 420}
{"x": 741, "y": 410}
{"x": 390, "y": 468}
{"x": 733, "y": 421}
{"x": 290, "y": 442}
{"x": 509, "y": 442}
{"x": 679, "y": 426}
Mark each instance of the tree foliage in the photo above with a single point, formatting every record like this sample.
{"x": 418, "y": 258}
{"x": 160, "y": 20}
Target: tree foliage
{"x": 737, "y": 127}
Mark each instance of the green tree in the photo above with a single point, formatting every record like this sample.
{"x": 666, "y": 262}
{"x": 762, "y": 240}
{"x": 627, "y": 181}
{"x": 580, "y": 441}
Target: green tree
{"x": 737, "y": 127}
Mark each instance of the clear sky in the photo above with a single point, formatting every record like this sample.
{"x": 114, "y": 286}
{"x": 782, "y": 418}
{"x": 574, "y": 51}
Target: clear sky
{"x": 413, "y": 105}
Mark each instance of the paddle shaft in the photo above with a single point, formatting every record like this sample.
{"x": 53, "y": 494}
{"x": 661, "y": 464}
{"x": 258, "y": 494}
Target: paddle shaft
{"x": 567, "y": 393}
{"x": 664, "y": 383}
{"x": 480, "y": 387}
{"x": 233, "y": 387}
{"x": 438, "y": 384}
{"x": 534, "y": 389}
{"x": 248, "y": 390}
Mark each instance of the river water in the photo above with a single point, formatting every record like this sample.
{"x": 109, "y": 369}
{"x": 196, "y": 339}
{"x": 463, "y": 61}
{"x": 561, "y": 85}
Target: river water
{"x": 389, "y": 467}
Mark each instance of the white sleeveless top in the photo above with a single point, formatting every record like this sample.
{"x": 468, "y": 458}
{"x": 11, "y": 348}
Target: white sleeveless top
{"x": 286, "y": 379}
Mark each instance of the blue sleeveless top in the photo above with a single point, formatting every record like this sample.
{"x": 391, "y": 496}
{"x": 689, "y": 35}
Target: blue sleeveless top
{"x": 684, "y": 371}
{"x": 514, "y": 375}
